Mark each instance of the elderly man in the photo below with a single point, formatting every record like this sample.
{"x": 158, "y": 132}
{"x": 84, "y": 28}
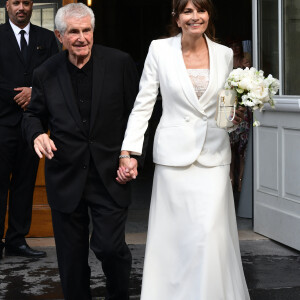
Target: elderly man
{"x": 23, "y": 47}
{"x": 83, "y": 96}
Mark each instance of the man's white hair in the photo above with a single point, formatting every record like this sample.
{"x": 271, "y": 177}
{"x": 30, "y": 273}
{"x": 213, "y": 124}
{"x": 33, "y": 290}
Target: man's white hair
{"x": 72, "y": 10}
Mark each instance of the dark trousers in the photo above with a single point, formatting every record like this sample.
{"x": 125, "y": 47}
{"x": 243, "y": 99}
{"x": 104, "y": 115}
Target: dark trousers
{"x": 71, "y": 233}
{"x": 18, "y": 168}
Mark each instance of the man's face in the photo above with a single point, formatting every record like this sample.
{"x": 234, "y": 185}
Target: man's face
{"x": 78, "y": 37}
{"x": 19, "y": 11}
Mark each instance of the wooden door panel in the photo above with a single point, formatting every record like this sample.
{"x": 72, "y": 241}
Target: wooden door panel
{"x": 41, "y": 225}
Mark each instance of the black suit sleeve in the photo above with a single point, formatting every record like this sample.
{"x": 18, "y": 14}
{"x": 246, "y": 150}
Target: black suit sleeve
{"x": 35, "y": 117}
{"x": 131, "y": 82}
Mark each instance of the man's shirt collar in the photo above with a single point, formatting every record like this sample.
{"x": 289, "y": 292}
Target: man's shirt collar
{"x": 17, "y": 29}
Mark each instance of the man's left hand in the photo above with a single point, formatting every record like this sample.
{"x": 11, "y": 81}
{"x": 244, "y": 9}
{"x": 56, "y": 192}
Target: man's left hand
{"x": 239, "y": 115}
{"x": 23, "y": 97}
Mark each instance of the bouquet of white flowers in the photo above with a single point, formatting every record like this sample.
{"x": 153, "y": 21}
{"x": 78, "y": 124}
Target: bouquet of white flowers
{"x": 252, "y": 88}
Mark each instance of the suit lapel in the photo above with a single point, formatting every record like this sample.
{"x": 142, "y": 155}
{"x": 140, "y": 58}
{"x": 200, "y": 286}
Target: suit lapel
{"x": 32, "y": 43}
{"x": 64, "y": 80}
{"x": 184, "y": 79}
{"x": 11, "y": 38}
{"x": 98, "y": 76}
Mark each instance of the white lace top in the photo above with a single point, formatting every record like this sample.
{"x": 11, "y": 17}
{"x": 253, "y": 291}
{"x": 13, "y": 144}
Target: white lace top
{"x": 200, "y": 80}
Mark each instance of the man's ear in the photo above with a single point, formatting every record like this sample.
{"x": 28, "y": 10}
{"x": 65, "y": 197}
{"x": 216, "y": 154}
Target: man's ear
{"x": 58, "y": 35}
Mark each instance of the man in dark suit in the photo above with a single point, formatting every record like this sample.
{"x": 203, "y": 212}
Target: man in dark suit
{"x": 23, "y": 47}
{"x": 84, "y": 96}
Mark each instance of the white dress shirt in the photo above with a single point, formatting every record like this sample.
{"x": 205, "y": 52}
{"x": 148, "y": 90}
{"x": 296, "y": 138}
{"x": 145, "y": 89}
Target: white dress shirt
{"x": 17, "y": 30}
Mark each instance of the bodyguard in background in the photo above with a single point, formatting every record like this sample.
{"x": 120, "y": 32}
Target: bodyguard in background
{"x": 23, "y": 47}
{"x": 84, "y": 96}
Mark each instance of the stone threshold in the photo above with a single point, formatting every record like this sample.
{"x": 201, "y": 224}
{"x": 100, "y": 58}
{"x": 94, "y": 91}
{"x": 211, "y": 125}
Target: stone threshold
{"x": 139, "y": 239}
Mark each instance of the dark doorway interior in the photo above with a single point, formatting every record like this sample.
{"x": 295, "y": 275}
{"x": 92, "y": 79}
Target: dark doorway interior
{"x": 131, "y": 25}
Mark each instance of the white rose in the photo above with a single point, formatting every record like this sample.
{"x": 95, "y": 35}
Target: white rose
{"x": 236, "y": 74}
{"x": 248, "y": 103}
{"x": 259, "y": 91}
{"x": 234, "y": 83}
{"x": 269, "y": 80}
{"x": 245, "y": 83}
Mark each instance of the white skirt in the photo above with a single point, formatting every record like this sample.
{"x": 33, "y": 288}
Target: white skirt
{"x": 192, "y": 250}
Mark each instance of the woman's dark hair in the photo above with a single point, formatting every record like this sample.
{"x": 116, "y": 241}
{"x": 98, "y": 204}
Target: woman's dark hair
{"x": 178, "y": 8}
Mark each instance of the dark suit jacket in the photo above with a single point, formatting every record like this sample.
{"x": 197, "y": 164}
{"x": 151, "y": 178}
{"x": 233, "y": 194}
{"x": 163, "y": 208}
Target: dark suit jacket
{"x": 53, "y": 106}
{"x": 13, "y": 70}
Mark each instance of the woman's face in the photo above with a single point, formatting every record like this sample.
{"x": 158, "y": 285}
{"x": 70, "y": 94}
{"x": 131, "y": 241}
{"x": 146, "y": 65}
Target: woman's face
{"x": 193, "y": 20}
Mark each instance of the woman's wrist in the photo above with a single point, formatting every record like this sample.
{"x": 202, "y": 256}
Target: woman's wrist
{"x": 124, "y": 154}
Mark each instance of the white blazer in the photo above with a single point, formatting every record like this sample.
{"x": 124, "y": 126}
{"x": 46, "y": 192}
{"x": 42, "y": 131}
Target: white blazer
{"x": 187, "y": 131}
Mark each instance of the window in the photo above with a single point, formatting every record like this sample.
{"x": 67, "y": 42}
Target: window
{"x": 291, "y": 44}
{"x": 279, "y": 42}
{"x": 2, "y": 15}
{"x": 268, "y": 38}
{"x": 43, "y": 15}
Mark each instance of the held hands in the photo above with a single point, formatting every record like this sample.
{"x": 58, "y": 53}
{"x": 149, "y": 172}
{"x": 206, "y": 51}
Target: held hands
{"x": 239, "y": 115}
{"x": 23, "y": 97}
{"x": 44, "y": 145}
{"x": 127, "y": 170}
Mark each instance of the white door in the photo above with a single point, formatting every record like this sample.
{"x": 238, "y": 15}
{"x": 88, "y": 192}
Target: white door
{"x": 277, "y": 141}
{"x": 277, "y": 177}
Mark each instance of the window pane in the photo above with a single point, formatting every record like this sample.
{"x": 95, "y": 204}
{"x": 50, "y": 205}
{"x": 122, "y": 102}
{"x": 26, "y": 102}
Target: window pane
{"x": 36, "y": 17}
{"x": 2, "y": 15}
{"x": 48, "y": 18}
{"x": 43, "y": 14}
{"x": 268, "y": 39}
{"x": 292, "y": 47}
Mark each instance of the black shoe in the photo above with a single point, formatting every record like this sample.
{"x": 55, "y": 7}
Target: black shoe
{"x": 24, "y": 250}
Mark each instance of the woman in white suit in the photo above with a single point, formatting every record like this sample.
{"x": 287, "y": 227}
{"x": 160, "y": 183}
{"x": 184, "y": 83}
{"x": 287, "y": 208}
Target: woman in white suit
{"x": 192, "y": 250}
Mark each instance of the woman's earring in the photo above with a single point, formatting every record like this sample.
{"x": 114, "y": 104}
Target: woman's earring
{"x": 173, "y": 13}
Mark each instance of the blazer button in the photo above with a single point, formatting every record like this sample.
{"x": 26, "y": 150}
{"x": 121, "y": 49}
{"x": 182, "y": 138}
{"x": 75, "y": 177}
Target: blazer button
{"x": 84, "y": 166}
{"x": 84, "y": 121}
{"x": 187, "y": 119}
{"x": 204, "y": 118}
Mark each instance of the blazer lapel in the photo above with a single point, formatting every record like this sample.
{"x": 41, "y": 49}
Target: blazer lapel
{"x": 184, "y": 79}
{"x": 13, "y": 41}
{"x": 210, "y": 91}
{"x": 98, "y": 76}
{"x": 68, "y": 92}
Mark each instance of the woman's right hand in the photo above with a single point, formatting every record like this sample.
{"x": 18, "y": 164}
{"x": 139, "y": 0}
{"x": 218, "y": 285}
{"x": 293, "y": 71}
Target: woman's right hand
{"x": 127, "y": 169}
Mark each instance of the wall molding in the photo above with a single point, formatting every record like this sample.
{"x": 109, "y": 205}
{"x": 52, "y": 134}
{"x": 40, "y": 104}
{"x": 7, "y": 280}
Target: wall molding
{"x": 288, "y": 104}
